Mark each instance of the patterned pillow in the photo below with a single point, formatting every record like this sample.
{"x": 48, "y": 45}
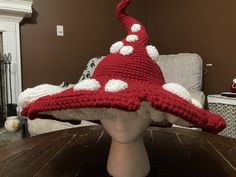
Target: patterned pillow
{"x": 90, "y": 68}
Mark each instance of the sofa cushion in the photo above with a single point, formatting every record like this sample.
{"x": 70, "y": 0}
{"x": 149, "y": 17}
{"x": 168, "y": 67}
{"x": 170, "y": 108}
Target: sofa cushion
{"x": 184, "y": 68}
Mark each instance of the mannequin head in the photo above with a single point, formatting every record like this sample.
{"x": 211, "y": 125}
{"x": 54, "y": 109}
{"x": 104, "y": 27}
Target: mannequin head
{"x": 125, "y": 129}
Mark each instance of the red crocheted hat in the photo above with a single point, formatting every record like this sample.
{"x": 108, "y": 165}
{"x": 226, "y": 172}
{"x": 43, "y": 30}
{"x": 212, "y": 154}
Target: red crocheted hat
{"x": 123, "y": 80}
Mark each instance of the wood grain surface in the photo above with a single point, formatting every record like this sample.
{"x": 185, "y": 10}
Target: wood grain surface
{"x": 83, "y": 152}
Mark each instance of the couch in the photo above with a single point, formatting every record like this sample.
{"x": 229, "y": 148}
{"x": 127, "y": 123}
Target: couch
{"x": 184, "y": 68}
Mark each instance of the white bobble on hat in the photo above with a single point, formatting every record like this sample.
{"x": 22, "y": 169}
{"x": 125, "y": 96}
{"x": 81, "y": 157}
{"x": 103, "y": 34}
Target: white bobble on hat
{"x": 88, "y": 84}
{"x": 126, "y": 50}
{"x": 131, "y": 38}
{"x": 115, "y": 85}
{"x": 115, "y": 48}
{"x": 152, "y": 52}
{"x": 135, "y": 28}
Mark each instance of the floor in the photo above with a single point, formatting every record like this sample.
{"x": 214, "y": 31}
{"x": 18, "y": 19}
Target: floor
{"x": 8, "y": 137}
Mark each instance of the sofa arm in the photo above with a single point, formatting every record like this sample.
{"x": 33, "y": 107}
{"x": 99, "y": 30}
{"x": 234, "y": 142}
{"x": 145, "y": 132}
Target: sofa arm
{"x": 198, "y": 95}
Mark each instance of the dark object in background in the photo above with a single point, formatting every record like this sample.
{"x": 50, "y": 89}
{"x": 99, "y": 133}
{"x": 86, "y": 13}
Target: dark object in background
{"x": 228, "y": 94}
{"x": 24, "y": 131}
{"x": 1, "y": 118}
{"x": 1, "y": 92}
{"x": 11, "y": 110}
{"x": 233, "y": 86}
{"x": 7, "y": 107}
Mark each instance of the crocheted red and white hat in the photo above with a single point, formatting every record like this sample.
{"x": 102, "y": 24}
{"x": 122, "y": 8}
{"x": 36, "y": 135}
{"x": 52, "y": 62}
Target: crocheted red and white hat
{"x": 125, "y": 79}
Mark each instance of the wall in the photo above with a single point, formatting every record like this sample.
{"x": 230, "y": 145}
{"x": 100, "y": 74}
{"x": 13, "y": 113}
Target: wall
{"x": 90, "y": 28}
{"x": 207, "y": 27}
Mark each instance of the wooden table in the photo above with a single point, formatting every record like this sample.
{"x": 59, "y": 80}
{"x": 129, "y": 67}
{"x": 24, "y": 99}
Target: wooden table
{"x": 82, "y": 152}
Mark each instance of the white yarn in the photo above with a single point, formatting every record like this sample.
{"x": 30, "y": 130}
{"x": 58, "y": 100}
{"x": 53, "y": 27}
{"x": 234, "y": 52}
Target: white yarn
{"x": 31, "y": 94}
{"x": 135, "y": 28}
{"x": 131, "y": 38}
{"x": 126, "y": 50}
{"x": 234, "y": 81}
{"x": 115, "y": 85}
{"x": 152, "y": 52}
{"x": 179, "y": 90}
{"x": 182, "y": 92}
{"x": 196, "y": 103}
{"x": 88, "y": 84}
{"x": 115, "y": 48}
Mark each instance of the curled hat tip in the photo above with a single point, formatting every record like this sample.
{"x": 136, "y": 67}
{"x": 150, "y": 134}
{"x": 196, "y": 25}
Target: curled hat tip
{"x": 133, "y": 26}
{"x": 121, "y": 7}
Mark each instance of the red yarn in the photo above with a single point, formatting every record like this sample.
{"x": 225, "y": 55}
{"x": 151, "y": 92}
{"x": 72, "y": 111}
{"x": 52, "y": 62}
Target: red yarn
{"x": 233, "y": 88}
{"x": 128, "y": 21}
{"x": 145, "y": 80}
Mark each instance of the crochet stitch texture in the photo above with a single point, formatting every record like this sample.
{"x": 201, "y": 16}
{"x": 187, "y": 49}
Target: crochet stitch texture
{"x": 144, "y": 81}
